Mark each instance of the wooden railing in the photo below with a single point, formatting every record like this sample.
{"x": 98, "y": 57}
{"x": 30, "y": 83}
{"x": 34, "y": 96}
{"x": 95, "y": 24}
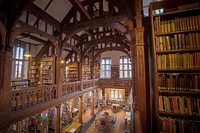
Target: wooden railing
{"x": 88, "y": 84}
{"x": 116, "y": 82}
{"x": 27, "y": 97}
{"x": 70, "y": 87}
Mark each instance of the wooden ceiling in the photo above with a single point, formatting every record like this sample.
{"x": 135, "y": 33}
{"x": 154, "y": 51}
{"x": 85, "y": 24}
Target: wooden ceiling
{"x": 80, "y": 26}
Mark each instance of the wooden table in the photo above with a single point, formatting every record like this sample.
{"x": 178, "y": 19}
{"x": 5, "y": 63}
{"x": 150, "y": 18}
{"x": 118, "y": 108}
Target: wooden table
{"x": 105, "y": 119}
{"x": 73, "y": 128}
{"x": 115, "y": 107}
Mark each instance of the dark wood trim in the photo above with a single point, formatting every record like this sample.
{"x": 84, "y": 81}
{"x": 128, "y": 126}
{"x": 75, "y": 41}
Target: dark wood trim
{"x": 35, "y": 10}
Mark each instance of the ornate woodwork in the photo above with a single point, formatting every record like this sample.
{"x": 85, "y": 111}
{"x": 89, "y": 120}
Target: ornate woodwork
{"x": 27, "y": 97}
{"x": 30, "y": 101}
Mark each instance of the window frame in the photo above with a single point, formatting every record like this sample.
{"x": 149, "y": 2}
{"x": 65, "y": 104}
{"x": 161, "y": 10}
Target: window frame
{"x": 19, "y": 62}
{"x": 106, "y": 73}
{"x": 123, "y": 69}
{"x": 116, "y": 94}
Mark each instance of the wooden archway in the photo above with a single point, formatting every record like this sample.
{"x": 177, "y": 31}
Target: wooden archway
{"x": 27, "y": 28}
{"x": 3, "y": 32}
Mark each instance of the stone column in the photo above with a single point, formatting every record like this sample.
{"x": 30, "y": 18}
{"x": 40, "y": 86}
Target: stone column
{"x": 57, "y": 130}
{"x": 80, "y": 109}
{"x": 5, "y": 80}
{"x": 92, "y": 104}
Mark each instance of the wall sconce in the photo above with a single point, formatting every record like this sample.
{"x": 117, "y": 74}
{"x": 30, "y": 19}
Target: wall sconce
{"x": 27, "y": 54}
{"x": 62, "y": 61}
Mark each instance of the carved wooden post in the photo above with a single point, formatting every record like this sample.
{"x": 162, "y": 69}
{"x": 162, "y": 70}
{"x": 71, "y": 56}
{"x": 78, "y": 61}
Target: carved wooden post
{"x": 69, "y": 110}
{"x": 92, "y": 104}
{"x": 58, "y": 77}
{"x": 57, "y": 118}
{"x": 80, "y": 109}
{"x": 83, "y": 104}
{"x": 5, "y": 80}
{"x": 92, "y": 72}
{"x": 73, "y": 104}
{"x": 81, "y": 74}
{"x": 138, "y": 61}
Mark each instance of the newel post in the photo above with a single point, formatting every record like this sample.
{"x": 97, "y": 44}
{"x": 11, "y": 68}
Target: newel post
{"x": 5, "y": 82}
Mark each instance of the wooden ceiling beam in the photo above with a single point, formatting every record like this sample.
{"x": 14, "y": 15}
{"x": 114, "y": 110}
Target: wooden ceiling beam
{"x": 3, "y": 14}
{"x": 35, "y": 10}
{"x": 76, "y": 37}
{"x": 44, "y": 50}
{"x": 34, "y": 38}
{"x": 83, "y": 9}
{"x": 48, "y": 5}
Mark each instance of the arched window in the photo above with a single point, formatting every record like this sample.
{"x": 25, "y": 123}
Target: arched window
{"x": 106, "y": 63}
{"x": 20, "y": 62}
{"x": 125, "y": 67}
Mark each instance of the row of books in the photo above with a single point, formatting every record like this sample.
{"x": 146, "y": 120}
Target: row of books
{"x": 176, "y": 24}
{"x": 47, "y": 76}
{"x": 178, "y": 41}
{"x": 179, "y": 105}
{"x": 179, "y": 82}
{"x": 47, "y": 81}
{"x": 179, "y": 61}
{"x": 47, "y": 68}
{"x": 46, "y": 58}
{"x": 170, "y": 125}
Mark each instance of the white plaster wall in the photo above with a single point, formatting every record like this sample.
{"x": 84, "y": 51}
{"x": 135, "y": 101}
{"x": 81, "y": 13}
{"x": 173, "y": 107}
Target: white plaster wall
{"x": 115, "y": 55}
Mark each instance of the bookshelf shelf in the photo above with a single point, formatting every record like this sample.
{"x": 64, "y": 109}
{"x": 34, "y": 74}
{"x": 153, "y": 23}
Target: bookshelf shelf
{"x": 176, "y": 32}
{"x": 190, "y": 117}
{"x": 176, "y": 50}
{"x": 170, "y": 92}
{"x": 177, "y": 12}
{"x": 179, "y": 70}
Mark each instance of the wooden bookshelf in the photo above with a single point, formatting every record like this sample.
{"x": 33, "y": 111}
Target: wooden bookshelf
{"x": 34, "y": 73}
{"x": 86, "y": 72}
{"x": 64, "y": 73}
{"x": 176, "y": 50}
{"x": 47, "y": 70}
{"x": 114, "y": 71}
{"x": 72, "y": 71}
{"x": 97, "y": 71}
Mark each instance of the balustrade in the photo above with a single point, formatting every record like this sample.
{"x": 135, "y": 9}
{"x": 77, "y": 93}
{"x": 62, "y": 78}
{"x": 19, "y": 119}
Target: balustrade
{"x": 27, "y": 97}
{"x": 88, "y": 84}
{"x": 70, "y": 87}
{"x": 116, "y": 82}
